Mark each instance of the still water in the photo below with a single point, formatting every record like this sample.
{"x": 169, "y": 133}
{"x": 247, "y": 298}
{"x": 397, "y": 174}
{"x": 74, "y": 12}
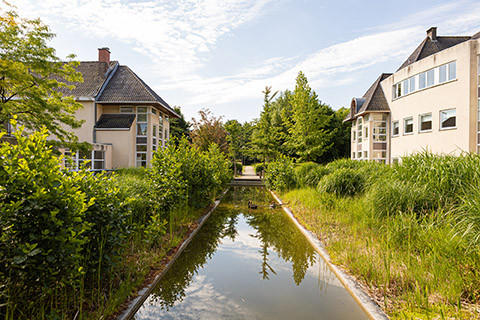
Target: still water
{"x": 249, "y": 264}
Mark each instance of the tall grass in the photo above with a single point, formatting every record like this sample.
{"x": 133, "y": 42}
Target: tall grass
{"x": 411, "y": 235}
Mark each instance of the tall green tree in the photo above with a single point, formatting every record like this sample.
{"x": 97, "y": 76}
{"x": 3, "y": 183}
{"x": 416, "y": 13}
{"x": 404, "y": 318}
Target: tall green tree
{"x": 234, "y": 138}
{"x": 310, "y": 136}
{"x": 266, "y": 137}
{"x": 30, "y": 76}
{"x": 179, "y": 127}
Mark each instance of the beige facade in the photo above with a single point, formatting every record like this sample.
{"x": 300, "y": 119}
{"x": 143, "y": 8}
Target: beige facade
{"x": 125, "y": 121}
{"x": 432, "y": 104}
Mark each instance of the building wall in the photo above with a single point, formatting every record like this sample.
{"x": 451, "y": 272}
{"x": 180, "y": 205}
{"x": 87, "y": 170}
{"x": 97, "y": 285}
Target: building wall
{"x": 85, "y": 132}
{"x": 456, "y": 94}
{"x": 123, "y": 146}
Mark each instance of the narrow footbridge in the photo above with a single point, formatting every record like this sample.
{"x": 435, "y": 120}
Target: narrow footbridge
{"x": 248, "y": 178}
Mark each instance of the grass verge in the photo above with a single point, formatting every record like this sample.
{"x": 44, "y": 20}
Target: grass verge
{"x": 414, "y": 267}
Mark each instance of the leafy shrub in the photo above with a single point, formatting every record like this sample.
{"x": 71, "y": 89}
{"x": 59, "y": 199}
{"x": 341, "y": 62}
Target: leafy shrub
{"x": 391, "y": 196}
{"x": 301, "y": 171}
{"x": 183, "y": 175}
{"x": 313, "y": 177}
{"x": 280, "y": 174}
{"x": 343, "y": 182}
{"x": 135, "y": 185}
{"x": 42, "y": 214}
{"x": 345, "y": 163}
{"x": 239, "y": 168}
{"x": 106, "y": 216}
{"x": 258, "y": 168}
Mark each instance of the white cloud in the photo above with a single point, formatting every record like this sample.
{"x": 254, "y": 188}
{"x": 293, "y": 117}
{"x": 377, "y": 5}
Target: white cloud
{"x": 175, "y": 35}
{"x": 337, "y": 65}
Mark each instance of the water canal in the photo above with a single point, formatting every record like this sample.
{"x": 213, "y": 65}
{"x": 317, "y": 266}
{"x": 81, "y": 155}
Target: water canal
{"x": 249, "y": 264}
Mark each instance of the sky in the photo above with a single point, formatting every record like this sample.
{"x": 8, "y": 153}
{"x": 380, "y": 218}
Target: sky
{"x": 221, "y": 54}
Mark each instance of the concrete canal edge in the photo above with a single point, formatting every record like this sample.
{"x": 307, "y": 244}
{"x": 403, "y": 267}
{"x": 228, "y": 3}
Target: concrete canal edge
{"x": 370, "y": 307}
{"x": 143, "y": 294}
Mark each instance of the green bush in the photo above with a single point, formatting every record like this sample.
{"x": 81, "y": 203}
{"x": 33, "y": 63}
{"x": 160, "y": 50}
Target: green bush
{"x": 258, "y": 168}
{"x": 345, "y": 163}
{"x": 107, "y": 217}
{"x": 391, "y": 196}
{"x": 135, "y": 185}
{"x": 280, "y": 174}
{"x": 343, "y": 182}
{"x": 313, "y": 177}
{"x": 42, "y": 211}
{"x": 182, "y": 175}
{"x": 301, "y": 171}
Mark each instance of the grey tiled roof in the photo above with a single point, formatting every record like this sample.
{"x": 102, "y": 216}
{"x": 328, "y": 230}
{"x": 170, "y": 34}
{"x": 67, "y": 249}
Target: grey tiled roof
{"x": 123, "y": 86}
{"x": 115, "y": 121}
{"x": 126, "y": 86}
{"x": 429, "y": 47}
{"x": 94, "y": 74}
{"x": 373, "y": 100}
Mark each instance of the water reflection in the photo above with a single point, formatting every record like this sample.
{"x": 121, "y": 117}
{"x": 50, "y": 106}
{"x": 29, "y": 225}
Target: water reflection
{"x": 249, "y": 264}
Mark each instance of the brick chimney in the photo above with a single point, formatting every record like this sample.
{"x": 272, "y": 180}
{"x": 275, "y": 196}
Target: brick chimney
{"x": 432, "y": 33}
{"x": 104, "y": 55}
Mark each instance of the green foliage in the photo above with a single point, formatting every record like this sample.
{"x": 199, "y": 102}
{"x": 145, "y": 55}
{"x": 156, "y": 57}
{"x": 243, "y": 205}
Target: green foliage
{"x": 343, "y": 182}
{"x": 207, "y": 130}
{"x": 393, "y": 196}
{"x": 32, "y": 76}
{"x": 258, "y": 168}
{"x": 265, "y": 137}
{"x": 308, "y": 174}
{"x": 280, "y": 174}
{"x": 183, "y": 174}
{"x": 42, "y": 218}
{"x": 107, "y": 217}
{"x": 310, "y": 135}
{"x": 179, "y": 127}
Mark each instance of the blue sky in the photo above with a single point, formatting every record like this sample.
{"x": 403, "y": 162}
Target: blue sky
{"x": 220, "y": 54}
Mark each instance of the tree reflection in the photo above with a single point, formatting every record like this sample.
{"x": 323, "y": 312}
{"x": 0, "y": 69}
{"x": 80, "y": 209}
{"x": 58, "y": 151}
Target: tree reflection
{"x": 274, "y": 230}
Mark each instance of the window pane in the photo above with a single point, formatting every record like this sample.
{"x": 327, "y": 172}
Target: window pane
{"x": 452, "y": 70}
{"x": 141, "y": 139}
{"x": 141, "y": 109}
{"x": 408, "y": 125}
{"x": 426, "y": 122}
{"x": 142, "y": 117}
{"x": 399, "y": 89}
{"x": 412, "y": 84}
{"x": 395, "y": 127}
{"x": 430, "y": 78}
{"x": 154, "y": 131}
{"x": 126, "y": 109}
{"x": 141, "y": 129}
{"x": 142, "y": 147}
{"x": 405, "y": 87}
{"x": 154, "y": 111}
{"x": 443, "y": 73}
{"x": 99, "y": 155}
{"x": 99, "y": 165}
{"x": 421, "y": 80}
{"x": 448, "y": 118}
{"x": 84, "y": 155}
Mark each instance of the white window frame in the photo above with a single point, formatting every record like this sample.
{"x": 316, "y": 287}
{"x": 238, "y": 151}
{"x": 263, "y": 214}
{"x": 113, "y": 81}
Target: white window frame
{"x": 127, "y": 109}
{"x": 393, "y": 128}
{"x": 440, "y": 119}
{"x": 405, "y": 133}
{"x": 420, "y": 122}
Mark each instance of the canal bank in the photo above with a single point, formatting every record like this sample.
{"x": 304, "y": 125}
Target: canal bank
{"x": 249, "y": 264}
{"x": 353, "y": 287}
